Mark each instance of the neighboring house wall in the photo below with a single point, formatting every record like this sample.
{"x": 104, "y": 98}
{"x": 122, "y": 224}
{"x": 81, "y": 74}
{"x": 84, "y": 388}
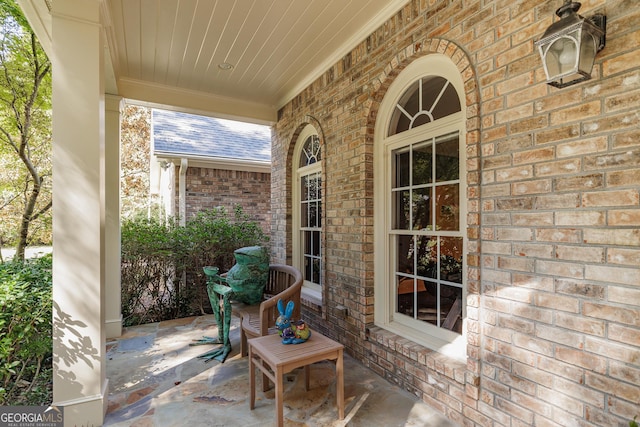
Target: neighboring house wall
{"x": 216, "y": 163}
{"x": 208, "y": 188}
{"x": 553, "y": 211}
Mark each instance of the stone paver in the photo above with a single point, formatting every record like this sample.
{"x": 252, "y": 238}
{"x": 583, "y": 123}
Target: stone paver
{"x": 156, "y": 379}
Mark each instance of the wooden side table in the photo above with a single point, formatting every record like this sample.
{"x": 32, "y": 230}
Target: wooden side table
{"x": 275, "y": 359}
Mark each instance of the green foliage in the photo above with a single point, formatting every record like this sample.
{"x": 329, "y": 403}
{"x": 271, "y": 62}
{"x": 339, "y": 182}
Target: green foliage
{"x": 633, "y": 423}
{"x": 25, "y": 133}
{"x": 135, "y": 139}
{"x": 162, "y": 275}
{"x": 25, "y": 332}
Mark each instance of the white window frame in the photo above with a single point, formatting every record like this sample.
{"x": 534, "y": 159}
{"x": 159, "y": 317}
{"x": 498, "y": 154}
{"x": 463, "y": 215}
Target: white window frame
{"x": 430, "y": 336}
{"x": 310, "y": 291}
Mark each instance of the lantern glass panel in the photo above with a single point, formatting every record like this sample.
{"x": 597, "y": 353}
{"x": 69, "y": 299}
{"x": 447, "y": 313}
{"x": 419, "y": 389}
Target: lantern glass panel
{"x": 562, "y": 57}
{"x": 588, "y": 50}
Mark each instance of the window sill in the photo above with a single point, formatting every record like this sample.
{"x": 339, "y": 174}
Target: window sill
{"x": 311, "y": 298}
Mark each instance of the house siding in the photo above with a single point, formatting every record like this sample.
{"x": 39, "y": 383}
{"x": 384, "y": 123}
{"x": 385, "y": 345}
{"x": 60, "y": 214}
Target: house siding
{"x": 553, "y": 280}
{"x": 208, "y": 188}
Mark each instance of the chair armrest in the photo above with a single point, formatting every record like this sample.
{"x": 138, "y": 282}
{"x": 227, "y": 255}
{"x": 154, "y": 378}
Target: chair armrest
{"x": 291, "y": 293}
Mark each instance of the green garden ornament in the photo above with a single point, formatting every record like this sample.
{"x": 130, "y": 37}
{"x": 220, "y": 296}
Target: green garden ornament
{"x": 249, "y": 275}
{"x": 245, "y": 283}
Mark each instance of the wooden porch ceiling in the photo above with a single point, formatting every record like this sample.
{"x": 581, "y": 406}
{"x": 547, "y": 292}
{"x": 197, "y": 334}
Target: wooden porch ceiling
{"x": 172, "y": 52}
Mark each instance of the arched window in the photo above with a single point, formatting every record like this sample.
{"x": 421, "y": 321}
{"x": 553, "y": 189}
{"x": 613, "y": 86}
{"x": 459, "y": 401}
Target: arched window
{"x": 420, "y": 206}
{"x": 307, "y": 212}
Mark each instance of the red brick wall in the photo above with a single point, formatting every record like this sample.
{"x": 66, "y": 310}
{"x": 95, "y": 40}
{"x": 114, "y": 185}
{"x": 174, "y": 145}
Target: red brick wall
{"x": 554, "y": 214}
{"x": 211, "y": 188}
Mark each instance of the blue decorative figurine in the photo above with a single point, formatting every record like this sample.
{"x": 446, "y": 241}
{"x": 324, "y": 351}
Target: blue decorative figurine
{"x": 291, "y": 333}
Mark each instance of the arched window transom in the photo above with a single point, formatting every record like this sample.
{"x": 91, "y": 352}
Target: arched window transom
{"x": 428, "y": 99}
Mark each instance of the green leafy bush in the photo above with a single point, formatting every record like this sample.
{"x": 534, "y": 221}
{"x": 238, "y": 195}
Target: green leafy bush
{"x": 25, "y": 332}
{"x": 162, "y": 264}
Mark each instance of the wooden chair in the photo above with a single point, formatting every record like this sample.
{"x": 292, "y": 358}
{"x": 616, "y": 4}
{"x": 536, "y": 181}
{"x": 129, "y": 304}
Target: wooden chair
{"x": 284, "y": 282}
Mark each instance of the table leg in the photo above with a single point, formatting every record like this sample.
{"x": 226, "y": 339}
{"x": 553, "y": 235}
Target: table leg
{"x": 340, "y": 385}
{"x": 265, "y": 378}
{"x": 279, "y": 397}
{"x": 307, "y": 375}
{"x": 252, "y": 381}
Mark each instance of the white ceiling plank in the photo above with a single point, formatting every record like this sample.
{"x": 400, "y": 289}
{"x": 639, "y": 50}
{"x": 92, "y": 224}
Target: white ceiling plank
{"x": 148, "y": 31}
{"x": 165, "y": 17}
{"x": 182, "y": 29}
{"x": 131, "y": 31}
{"x": 193, "y": 49}
{"x": 218, "y": 22}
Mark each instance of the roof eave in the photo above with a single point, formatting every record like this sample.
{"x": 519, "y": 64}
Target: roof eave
{"x": 216, "y": 162}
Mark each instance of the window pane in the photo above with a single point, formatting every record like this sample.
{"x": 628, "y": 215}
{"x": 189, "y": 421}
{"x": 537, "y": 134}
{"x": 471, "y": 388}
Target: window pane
{"x": 405, "y": 295}
{"x": 448, "y": 158}
{"x": 308, "y": 269}
{"x": 451, "y": 259}
{"x": 304, "y": 188}
{"x": 410, "y": 101}
{"x": 312, "y": 254}
{"x": 427, "y": 256}
{"x": 315, "y": 251}
{"x": 405, "y": 254}
{"x": 401, "y": 210}
{"x": 402, "y": 169}
{"x": 307, "y": 241}
{"x": 448, "y": 207}
{"x": 448, "y": 104}
{"x": 313, "y": 214}
{"x": 451, "y": 308}
{"x": 315, "y": 275}
{"x": 422, "y": 209}
{"x": 428, "y": 303}
{"x": 422, "y": 164}
{"x": 431, "y": 89}
{"x": 304, "y": 214}
{"x": 312, "y": 184}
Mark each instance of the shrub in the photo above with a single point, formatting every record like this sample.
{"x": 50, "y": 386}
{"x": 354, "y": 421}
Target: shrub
{"x": 25, "y": 332}
{"x": 162, "y": 264}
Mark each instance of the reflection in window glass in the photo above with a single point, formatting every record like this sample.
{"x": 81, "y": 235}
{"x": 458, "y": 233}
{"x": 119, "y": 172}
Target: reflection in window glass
{"x": 422, "y": 167}
{"x": 421, "y": 208}
{"x": 311, "y": 215}
{"x": 447, "y": 158}
{"x": 429, "y": 263}
{"x": 448, "y": 207}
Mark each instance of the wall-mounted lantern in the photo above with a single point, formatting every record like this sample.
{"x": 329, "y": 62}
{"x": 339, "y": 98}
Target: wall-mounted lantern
{"x": 568, "y": 48}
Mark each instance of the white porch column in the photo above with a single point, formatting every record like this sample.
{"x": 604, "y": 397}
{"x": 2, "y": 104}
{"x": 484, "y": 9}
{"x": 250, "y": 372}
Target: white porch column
{"x": 113, "y": 313}
{"x": 79, "y": 380}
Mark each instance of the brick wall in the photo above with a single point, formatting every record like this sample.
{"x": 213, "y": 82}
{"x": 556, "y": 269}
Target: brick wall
{"x": 208, "y": 188}
{"x": 553, "y": 311}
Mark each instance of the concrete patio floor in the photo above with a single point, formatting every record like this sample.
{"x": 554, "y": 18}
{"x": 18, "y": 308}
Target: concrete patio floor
{"x": 156, "y": 379}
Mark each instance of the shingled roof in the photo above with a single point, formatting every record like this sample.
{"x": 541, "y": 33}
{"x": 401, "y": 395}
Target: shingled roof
{"x": 179, "y": 134}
